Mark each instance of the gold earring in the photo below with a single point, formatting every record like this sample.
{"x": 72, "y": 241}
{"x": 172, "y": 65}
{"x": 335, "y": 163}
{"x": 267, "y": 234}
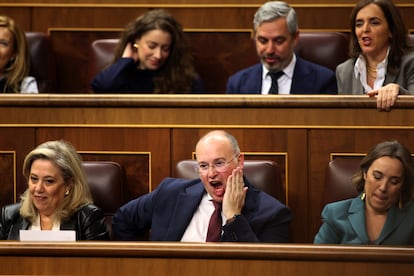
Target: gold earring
{"x": 400, "y": 204}
{"x": 67, "y": 193}
{"x": 136, "y": 45}
{"x": 363, "y": 196}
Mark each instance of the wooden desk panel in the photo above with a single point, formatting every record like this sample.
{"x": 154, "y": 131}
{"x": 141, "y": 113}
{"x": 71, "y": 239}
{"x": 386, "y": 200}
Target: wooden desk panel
{"x": 100, "y": 258}
{"x": 302, "y": 132}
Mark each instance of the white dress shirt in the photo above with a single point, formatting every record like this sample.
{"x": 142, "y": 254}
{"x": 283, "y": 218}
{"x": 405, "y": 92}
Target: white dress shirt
{"x": 197, "y": 229}
{"x": 284, "y": 82}
{"x": 360, "y": 71}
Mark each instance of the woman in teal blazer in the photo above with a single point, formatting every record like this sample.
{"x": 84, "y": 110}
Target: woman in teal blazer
{"x": 383, "y": 213}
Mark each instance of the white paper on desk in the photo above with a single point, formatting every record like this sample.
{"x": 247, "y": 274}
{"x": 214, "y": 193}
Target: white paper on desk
{"x": 36, "y": 235}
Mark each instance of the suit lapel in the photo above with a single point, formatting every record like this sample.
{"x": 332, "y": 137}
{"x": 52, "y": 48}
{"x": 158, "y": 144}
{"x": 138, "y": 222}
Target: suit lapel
{"x": 357, "y": 219}
{"x": 394, "y": 218}
{"x": 357, "y": 87}
{"x": 300, "y": 73}
{"x": 187, "y": 203}
{"x": 390, "y": 77}
{"x": 253, "y": 83}
{"x": 356, "y": 213}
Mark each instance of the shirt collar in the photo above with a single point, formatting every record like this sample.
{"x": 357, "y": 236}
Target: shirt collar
{"x": 288, "y": 70}
{"x": 360, "y": 72}
{"x": 361, "y": 64}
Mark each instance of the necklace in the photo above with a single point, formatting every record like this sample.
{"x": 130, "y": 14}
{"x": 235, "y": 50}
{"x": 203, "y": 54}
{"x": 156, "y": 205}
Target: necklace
{"x": 372, "y": 74}
{"x": 372, "y": 69}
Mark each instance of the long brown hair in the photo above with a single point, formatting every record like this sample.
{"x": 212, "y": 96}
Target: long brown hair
{"x": 178, "y": 73}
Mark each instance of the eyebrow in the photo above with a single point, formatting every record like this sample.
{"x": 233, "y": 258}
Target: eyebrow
{"x": 369, "y": 18}
{"x": 215, "y": 160}
{"x": 393, "y": 176}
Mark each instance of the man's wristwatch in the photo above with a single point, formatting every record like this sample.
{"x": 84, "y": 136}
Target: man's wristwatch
{"x": 233, "y": 218}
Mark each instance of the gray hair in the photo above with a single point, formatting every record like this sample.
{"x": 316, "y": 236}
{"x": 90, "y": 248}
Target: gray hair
{"x": 273, "y": 10}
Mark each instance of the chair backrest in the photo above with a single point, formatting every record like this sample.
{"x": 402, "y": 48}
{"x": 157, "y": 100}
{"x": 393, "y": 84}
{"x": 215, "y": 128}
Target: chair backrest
{"x": 106, "y": 181}
{"x": 265, "y": 175}
{"x": 411, "y": 39}
{"x": 325, "y": 48}
{"x": 338, "y": 176}
{"x": 42, "y": 63}
{"x": 102, "y": 54}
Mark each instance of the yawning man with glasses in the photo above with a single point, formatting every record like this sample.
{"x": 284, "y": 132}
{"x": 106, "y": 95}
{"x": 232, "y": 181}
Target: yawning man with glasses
{"x": 220, "y": 205}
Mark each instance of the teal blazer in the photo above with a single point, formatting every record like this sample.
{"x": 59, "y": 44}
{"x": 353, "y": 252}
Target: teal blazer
{"x": 344, "y": 223}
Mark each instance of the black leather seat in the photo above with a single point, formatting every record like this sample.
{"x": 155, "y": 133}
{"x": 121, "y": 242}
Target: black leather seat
{"x": 106, "y": 182}
{"x": 102, "y": 54}
{"x": 338, "y": 184}
{"x": 324, "y": 48}
{"x": 42, "y": 63}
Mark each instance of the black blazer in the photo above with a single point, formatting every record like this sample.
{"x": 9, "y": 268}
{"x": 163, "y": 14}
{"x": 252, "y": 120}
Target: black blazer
{"x": 88, "y": 222}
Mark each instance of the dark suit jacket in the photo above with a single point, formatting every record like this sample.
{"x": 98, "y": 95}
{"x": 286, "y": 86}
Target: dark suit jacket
{"x": 168, "y": 210}
{"x": 308, "y": 78}
{"x": 344, "y": 223}
{"x": 88, "y": 223}
{"x": 348, "y": 84}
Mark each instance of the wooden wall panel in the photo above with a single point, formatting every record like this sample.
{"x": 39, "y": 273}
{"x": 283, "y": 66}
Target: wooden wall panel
{"x": 142, "y": 152}
{"x": 135, "y": 165}
{"x": 43, "y": 17}
{"x": 17, "y": 142}
{"x": 158, "y": 258}
{"x": 21, "y": 15}
{"x": 149, "y": 134}
{"x": 73, "y": 49}
{"x": 219, "y": 53}
{"x": 194, "y": 2}
{"x": 7, "y": 176}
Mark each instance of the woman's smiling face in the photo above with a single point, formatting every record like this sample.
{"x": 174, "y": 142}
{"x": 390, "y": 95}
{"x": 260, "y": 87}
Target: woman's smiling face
{"x": 47, "y": 186}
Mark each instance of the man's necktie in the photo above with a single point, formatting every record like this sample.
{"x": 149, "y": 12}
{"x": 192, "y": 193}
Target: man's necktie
{"x": 214, "y": 227}
{"x": 274, "y": 88}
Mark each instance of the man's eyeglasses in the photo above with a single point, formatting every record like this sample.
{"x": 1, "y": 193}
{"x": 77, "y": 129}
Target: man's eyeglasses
{"x": 219, "y": 165}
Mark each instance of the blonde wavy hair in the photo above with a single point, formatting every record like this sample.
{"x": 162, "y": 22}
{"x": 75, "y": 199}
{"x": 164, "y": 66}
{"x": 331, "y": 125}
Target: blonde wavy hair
{"x": 18, "y": 67}
{"x": 65, "y": 157}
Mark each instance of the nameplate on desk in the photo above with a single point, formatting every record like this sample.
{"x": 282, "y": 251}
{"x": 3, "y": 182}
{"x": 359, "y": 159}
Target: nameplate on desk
{"x": 36, "y": 235}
